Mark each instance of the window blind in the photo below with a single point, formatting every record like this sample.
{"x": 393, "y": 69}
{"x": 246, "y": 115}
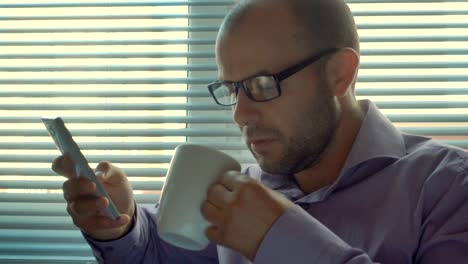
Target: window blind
{"x": 129, "y": 77}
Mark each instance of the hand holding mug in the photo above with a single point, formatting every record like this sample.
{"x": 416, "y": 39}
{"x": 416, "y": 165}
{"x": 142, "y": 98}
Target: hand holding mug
{"x": 241, "y": 212}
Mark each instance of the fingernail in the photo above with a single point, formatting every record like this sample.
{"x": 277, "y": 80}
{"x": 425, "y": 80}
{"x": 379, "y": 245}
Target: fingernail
{"x": 99, "y": 174}
{"x": 122, "y": 220}
{"x": 92, "y": 186}
{"x": 56, "y": 168}
{"x": 101, "y": 203}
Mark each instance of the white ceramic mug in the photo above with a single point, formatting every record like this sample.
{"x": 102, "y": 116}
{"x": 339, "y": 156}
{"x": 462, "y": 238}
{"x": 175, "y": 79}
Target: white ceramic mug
{"x": 192, "y": 170}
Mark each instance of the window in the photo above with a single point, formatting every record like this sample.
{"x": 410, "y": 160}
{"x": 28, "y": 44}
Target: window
{"x": 129, "y": 79}
{"x": 117, "y": 74}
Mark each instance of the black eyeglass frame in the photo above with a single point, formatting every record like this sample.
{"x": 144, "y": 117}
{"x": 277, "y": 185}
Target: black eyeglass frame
{"x": 278, "y": 77}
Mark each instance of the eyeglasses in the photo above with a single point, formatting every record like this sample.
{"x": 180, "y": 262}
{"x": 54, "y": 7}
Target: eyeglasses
{"x": 259, "y": 88}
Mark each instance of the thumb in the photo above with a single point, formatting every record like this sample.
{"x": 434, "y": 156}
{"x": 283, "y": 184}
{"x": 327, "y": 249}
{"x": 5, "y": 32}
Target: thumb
{"x": 106, "y": 172}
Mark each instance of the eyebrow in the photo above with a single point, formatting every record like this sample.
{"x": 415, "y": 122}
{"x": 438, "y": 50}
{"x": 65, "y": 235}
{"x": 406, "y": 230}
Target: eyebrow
{"x": 259, "y": 73}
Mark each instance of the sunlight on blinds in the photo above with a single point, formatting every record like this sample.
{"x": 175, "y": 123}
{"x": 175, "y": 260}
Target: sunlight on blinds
{"x": 428, "y": 48}
{"x": 24, "y": 163}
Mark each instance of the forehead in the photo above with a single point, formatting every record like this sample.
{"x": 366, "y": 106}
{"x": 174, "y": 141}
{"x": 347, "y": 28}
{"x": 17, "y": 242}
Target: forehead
{"x": 266, "y": 39}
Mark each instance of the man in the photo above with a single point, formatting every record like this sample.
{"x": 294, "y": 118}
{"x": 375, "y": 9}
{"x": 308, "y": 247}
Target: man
{"x": 336, "y": 181}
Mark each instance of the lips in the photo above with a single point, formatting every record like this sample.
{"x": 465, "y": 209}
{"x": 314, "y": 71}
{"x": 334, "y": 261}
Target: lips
{"x": 259, "y": 145}
{"x": 259, "y": 141}
{"x": 258, "y": 138}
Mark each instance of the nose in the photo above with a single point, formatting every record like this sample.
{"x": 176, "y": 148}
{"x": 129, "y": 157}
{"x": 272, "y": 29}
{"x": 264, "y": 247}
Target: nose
{"x": 245, "y": 111}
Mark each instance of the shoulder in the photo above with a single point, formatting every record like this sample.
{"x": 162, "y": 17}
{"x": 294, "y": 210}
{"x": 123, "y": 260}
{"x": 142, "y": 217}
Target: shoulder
{"x": 434, "y": 156}
{"x": 444, "y": 171}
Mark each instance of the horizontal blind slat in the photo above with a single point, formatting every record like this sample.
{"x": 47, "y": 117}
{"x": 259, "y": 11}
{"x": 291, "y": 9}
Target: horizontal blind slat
{"x": 37, "y": 222}
{"x": 55, "y": 185}
{"x": 112, "y": 29}
{"x": 157, "y": 173}
{"x": 210, "y": 55}
{"x": 220, "y": 16}
{"x": 34, "y": 209}
{"x": 201, "y": 93}
{"x": 405, "y": 25}
{"x": 41, "y": 236}
{"x": 179, "y": 3}
{"x": 214, "y": 28}
{"x": 204, "y": 81}
{"x": 196, "y": 120}
{"x": 113, "y": 106}
{"x": 108, "y": 81}
{"x": 122, "y": 146}
{"x": 152, "y": 159}
{"x": 95, "y": 159}
{"x": 106, "y": 94}
{"x": 118, "y": 4}
{"x": 128, "y": 120}
{"x": 109, "y": 55}
{"x": 221, "y": 146}
{"x": 150, "y": 16}
{"x": 409, "y": 24}
{"x": 51, "y": 249}
{"x": 44, "y": 259}
{"x": 29, "y": 209}
{"x": 112, "y": 68}
{"x": 203, "y": 107}
{"x": 220, "y": 132}
{"x": 213, "y": 68}
{"x": 411, "y": 91}
{"x": 436, "y": 131}
{"x": 44, "y": 198}
{"x": 117, "y": 42}
{"x": 194, "y": 132}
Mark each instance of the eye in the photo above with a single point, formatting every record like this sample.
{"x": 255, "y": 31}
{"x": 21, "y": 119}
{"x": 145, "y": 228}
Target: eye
{"x": 225, "y": 90}
{"x": 266, "y": 83}
{"x": 230, "y": 88}
{"x": 263, "y": 88}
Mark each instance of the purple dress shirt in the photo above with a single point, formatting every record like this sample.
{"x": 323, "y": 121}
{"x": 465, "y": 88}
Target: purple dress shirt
{"x": 399, "y": 198}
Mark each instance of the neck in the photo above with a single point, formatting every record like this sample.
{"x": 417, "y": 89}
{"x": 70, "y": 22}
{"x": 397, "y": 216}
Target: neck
{"x": 328, "y": 169}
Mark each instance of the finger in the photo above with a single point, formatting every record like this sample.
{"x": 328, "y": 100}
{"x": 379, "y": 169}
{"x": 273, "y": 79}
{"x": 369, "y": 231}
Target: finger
{"x": 231, "y": 179}
{"x": 99, "y": 222}
{"x": 214, "y": 234}
{"x": 219, "y": 195}
{"x": 78, "y": 187}
{"x": 110, "y": 174}
{"x": 88, "y": 206}
{"x": 63, "y": 165}
{"x": 212, "y": 214}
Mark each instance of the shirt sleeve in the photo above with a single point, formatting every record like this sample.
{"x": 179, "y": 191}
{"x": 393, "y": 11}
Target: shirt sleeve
{"x": 143, "y": 245}
{"x": 298, "y": 238}
{"x": 444, "y": 220}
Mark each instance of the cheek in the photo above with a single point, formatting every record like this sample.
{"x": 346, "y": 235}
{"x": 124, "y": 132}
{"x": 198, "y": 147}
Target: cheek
{"x": 287, "y": 122}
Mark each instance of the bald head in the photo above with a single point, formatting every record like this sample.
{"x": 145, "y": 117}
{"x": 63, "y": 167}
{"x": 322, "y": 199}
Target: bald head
{"x": 322, "y": 24}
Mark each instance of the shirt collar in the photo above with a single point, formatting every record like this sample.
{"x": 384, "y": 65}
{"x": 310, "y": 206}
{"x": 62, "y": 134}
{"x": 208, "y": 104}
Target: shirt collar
{"x": 377, "y": 138}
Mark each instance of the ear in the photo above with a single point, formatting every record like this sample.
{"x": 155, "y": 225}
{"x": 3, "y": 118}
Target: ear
{"x": 341, "y": 70}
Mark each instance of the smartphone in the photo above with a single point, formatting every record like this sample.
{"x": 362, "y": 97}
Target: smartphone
{"x": 65, "y": 143}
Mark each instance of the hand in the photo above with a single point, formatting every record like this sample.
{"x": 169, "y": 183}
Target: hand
{"x": 241, "y": 211}
{"x": 86, "y": 209}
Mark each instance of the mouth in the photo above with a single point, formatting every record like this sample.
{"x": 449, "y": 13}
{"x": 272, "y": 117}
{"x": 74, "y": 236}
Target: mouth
{"x": 259, "y": 145}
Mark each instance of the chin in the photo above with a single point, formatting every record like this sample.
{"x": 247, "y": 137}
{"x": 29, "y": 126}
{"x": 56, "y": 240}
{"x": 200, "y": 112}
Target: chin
{"x": 270, "y": 166}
